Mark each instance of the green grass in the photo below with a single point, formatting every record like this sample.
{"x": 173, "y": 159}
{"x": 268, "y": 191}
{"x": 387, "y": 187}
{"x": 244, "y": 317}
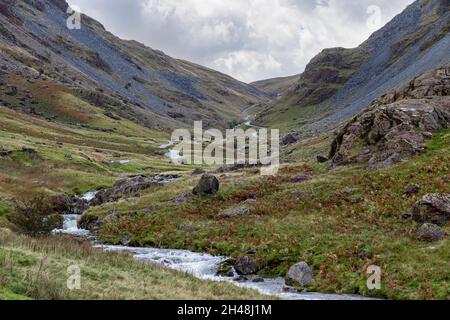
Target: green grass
{"x": 336, "y": 236}
{"x": 37, "y": 269}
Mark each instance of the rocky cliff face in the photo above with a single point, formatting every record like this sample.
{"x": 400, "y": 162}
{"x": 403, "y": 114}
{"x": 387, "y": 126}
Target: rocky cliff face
{"x": 339, "y": 83}
{"x": 124, "y": 77}
{"x": 396, "y": 126}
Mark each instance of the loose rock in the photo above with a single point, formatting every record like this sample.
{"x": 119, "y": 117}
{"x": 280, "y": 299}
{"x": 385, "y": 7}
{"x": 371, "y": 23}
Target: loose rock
{"x": 432, "y": 208}
{"x": 208, "y": 185}
{"x": 429, "y": 232}
{"x": 300, "y": 274}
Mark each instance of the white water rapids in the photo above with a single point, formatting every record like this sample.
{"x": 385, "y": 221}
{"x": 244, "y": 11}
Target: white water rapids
{"x": 202, "y": 266}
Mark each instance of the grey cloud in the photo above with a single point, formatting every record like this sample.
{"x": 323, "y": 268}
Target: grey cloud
{"x": 249, "y": 39}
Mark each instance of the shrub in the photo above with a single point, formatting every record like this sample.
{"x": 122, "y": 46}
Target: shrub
{"x": 36, "y": 217}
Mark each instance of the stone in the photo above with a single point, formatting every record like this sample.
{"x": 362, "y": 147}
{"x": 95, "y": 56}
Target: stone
{"x": 198, "y": 171}
{"x": 412, "y": 189}
{"x": 300, "y": 179}
{"x": 11, "y": 90}
{"x": 290, "y": 138}
{"x": 246, "y": 266}
{"x": 208, "y": 185}
{"x": 432, "y": 208}
{"x": 243, "y": 209}
{"x": 183, "y": 198}
{"x": 299, "y": 195}
{"x": 429, "y": 232}
{"x": 300, "y": 275}
{"x": 226, "y": 269}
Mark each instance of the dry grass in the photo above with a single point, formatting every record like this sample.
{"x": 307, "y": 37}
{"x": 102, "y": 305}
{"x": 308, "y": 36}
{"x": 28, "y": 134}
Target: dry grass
{"x": 37, "y": 269}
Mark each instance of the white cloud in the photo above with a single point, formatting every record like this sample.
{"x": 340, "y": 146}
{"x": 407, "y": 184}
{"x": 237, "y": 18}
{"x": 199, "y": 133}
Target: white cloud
{"x": 248, "y": 39}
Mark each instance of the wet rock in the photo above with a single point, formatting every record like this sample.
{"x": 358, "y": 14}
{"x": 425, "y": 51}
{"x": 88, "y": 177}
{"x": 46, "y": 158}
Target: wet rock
{"x": 258, "y": 280}
{"x": 290, "y": 138}
{"x": 241, "y": 279}
{"x": 432, "y": 208}
{"x": 226, "y": 269}
{"x": 208, "y": 185}
{"x": 246, "y": 266}
{"x": 288, "y": 289}
{"x": 300, "y": 179}
{"x": 78, "y": 206}
{"x": 243, "y": 209}
{"x": 300, "y": 274}
{"x": 429, "y": 232}
{"x": 412, "y": 189}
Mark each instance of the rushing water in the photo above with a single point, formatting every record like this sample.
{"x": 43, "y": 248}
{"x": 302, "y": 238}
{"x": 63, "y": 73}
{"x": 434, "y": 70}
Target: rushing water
{"x": 202, "y": 266}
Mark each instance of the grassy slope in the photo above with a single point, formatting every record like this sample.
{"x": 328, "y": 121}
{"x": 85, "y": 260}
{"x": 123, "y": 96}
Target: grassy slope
{"x": 37, "y": 269}
{"x": 346, "y": 220}
{"x": 26, "y": 264}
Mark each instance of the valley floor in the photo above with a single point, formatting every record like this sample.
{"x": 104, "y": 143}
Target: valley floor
{"x": 338, "y": 221}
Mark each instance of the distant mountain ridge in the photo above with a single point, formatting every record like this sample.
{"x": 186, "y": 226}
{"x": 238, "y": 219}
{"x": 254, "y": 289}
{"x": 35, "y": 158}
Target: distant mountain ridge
{"x": 124, "y": 77}
{"x": 339, "y": 83}
{"x": 276, "y": 87}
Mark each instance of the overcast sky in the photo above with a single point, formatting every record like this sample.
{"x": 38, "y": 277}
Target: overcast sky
{"x": 247, "y": 39}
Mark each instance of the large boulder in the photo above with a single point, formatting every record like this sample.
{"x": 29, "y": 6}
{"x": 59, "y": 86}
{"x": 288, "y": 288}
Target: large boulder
{"x": 208, "y": 185}
{"x": 246, "y": 265}
{"x": 429, "y": 232}
{"x": 396, "y": 126}
{"x": 432, "y": 208}
{"x": 300, "y": 274}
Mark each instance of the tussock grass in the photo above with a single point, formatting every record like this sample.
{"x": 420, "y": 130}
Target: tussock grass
{"x": 37, "y": 269}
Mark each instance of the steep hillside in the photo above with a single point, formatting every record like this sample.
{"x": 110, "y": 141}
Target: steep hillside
{"x": 125, "y": 78}
{"x": 277, "y": 87}
{"x": 339, "y": 83}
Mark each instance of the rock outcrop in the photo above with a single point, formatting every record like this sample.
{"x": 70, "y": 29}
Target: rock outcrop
{"x": 130, "y": 187}
{"x": 397, "y": 125}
